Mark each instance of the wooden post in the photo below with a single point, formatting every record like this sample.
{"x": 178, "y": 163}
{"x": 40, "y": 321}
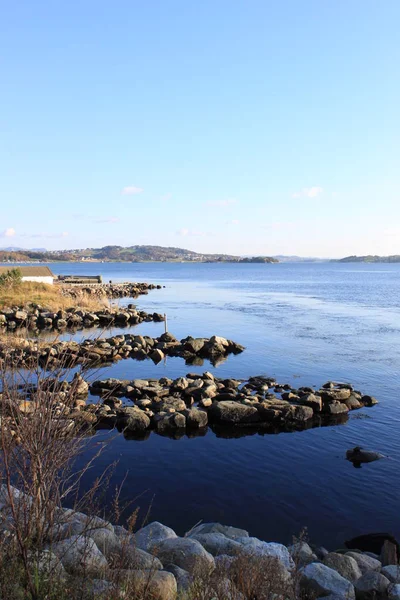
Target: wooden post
{"x": 165, "y": 323}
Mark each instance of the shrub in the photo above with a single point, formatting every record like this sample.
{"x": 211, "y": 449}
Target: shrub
{"x": 10, "y": 279}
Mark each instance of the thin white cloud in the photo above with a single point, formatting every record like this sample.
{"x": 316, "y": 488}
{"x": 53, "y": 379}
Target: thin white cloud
{"x": 311, "y": 192}
{"x": 166, "y": 197}
{"x": 184, "y": 232}
{"x": 131, "y": 190}
{"x": 222, "y": 203}
{"x": 233, "y": 222}
{"x": 107, "y": 220}
{"x": 45, "y": 236}
{"x": 9, "y": 232}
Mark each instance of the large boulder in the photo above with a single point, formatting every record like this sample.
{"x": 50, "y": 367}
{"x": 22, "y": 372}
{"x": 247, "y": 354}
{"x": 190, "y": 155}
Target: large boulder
{"x": 166, "y": 423}
{"x": 152, "y": 534}
{"x": 135, "y": 558}
{"x": 301, "y": 553}
{"x": 195, "y": 418}
{"x": 371, "y": 585}
{"x": 170, "y": 404}
{"x": 319, "y": 580}
{"x": 183, "y": 578}
{"x": 217, "y": 543}
{"x": 256, "y": 547}
{"x": 186, "y": 553}
{"x": 106, "y": 541}
{"x": 194, "y": 345}
{"x": 232, "y": 533}
{"x": 345, "y": 565}
{"x": 79, "y": 554}
{"x": 392, "y": 572}
{"x": 393, "y": 591}
{"x": 132, "y": 419}
{"x": 155, "y": 585}
{"x": 47, "y": 564}
{"x": 312, "y": 400}
{"x": 365, "y": 562}
{"x": 229, "y": 412}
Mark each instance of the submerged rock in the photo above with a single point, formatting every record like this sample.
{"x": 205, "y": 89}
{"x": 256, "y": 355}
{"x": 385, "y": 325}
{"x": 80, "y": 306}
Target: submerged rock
{"x": 358, "y": 455}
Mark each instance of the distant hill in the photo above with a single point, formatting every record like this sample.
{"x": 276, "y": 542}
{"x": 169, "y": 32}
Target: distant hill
{"x": 395, "y": 258}
{"x": 285, "y": 259}
{"x": 16, "y": 249}
{"x": 128, "y": 254}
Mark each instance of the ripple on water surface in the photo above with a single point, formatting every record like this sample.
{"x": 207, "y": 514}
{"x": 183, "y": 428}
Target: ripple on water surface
{"x": 303, "y": 324}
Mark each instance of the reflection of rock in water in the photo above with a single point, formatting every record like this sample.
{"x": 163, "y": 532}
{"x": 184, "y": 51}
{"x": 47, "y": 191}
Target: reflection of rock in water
{"x": 239, "y": 431}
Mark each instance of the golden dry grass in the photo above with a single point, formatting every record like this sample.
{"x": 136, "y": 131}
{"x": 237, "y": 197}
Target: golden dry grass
{"x": 48, "y": 296}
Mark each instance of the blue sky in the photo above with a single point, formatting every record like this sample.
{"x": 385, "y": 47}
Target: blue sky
{"x": 247, "y": 127}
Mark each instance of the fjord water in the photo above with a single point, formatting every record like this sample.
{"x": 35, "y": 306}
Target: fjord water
{"x": 302, "y": 324}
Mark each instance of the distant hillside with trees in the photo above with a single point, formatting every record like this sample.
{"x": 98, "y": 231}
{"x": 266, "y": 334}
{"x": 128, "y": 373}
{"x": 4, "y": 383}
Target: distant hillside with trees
{"x": 127, "y": 254}
{"x": 394, "y": 258}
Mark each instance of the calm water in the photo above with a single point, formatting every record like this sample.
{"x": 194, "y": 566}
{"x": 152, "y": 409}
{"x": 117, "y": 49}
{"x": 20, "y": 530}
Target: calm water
{"x": 303, "y": 324}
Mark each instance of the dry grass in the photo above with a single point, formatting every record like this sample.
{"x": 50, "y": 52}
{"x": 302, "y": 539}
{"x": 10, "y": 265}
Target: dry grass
{"x": 49, "y": 296}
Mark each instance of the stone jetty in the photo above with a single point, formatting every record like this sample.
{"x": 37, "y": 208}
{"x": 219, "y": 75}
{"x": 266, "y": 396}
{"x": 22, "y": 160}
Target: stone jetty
{"x": 108, "y": 290}
{"x": 224, "y": 560}
{"x": 189, "y": 405}
{"x": 101, "y": 351}
{"x": 35, "y": 317}
{"x": 195, "y": 401}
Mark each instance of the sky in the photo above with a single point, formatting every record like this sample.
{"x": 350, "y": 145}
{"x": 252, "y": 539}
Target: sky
{"x": 244, "y": 127}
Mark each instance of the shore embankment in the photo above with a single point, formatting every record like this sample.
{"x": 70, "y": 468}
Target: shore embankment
{"x": 224, "y": 561}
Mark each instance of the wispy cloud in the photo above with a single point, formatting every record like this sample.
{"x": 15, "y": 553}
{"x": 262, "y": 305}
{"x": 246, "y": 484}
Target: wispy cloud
{"x": 166, "y": 197}
{"x": 233, "y": 222}
{"x": 311, "y": 192}
{"x": 8, "y": 233}
{"x": 184, "y": 232}
{"x": 131, "y": 190}
{"x": 107, "y": 220}
{"x": 45, "y": 236}
{"x": 222, "y": 203}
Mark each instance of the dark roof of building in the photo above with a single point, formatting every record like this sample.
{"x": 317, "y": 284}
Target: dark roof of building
{"x": 29, "y": 271}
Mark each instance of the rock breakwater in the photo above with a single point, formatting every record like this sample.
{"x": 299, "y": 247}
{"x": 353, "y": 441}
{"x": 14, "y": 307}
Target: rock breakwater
{"x": 37, "y": 318}
{"x": 189, "y": 405}
{"x": 96, "y": 352}
{"x": 108, "y": 290}
{"x": 195, "y": 401}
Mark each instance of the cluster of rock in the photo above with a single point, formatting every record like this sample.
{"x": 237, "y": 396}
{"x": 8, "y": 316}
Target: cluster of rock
{"x": 36, "y": 317}
{"x": 156, "y": 557}
{"x": 108, "y": 290}
{"x": 95, "y": 352}
{"x": 192, "y": 402}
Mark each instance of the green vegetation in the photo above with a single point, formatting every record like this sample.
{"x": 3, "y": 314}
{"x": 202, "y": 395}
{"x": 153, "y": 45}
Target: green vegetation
{"x": 129, "y": 254}
{"x": 395, "y": 258}
{"x": 10, "y": 279}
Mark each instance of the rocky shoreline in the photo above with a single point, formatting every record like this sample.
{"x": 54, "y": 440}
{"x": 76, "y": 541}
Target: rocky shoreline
{"x": 111, "y": 556}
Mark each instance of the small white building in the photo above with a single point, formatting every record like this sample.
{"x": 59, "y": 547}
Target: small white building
{"x": 38, "y": 274}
